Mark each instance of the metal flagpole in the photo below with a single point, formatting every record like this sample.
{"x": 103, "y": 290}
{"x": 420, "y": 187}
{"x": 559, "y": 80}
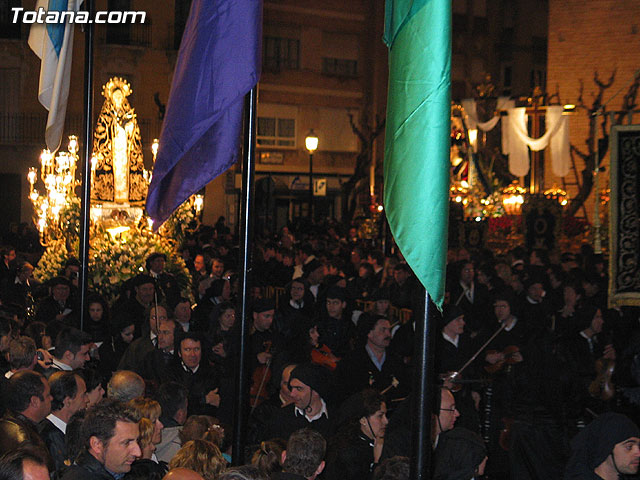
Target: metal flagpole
{"x": 86, "y": 166}
{"x": 246, "y": 231}
{"x": 423, "y": 396}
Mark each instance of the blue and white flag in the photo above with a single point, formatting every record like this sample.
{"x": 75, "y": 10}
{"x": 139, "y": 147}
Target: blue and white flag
{"x": 53, "y": 44}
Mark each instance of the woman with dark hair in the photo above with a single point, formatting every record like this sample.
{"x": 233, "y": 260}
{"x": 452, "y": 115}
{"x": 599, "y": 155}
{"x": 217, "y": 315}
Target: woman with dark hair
{"x": 306, "y": 346}
{"x": 295, "y": 306}
{"x": 93, "y": 381}
{"x": 111, "y": 352}
{"x": 97, "y": 324}
{"x": 355, "y": 450}
{"x": 565, "y": 321}
{"x": 220, "y": 336}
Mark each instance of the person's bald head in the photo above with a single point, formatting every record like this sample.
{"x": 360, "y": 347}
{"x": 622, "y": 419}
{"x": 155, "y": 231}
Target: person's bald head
{"x": 125, "y": 385}
{"x": 181, "y": 473}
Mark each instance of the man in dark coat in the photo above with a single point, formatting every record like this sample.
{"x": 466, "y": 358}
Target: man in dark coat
{"x": 69, "y": 393}
{"x": 135, "y": 353}
{"x": 158, "y": 360}
{"x": 372, "y": 365}
{"x": 58, "y": 306}
{"x": 308, "y": 386}
{"x": 110, "y": 431}
{"x": 28, "y": 401}
{"x": 471, "y": 296}
{"x": 608, "y": 448}
{"x": 191, "y": 371}
{"x": 166, "y": 283}
{"x": 336, "y": 329}
{"x": 133, "y": 307}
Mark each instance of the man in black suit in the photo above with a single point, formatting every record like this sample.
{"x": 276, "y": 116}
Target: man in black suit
{"x": 165, "y": 282}
{"x": 69, "y": 393}
{"x": 135, "y": 353}
{"x": 191, "y": 371}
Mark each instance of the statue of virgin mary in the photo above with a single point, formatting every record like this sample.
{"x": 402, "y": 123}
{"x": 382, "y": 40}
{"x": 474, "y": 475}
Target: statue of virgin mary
{"x": 117, "y": 149}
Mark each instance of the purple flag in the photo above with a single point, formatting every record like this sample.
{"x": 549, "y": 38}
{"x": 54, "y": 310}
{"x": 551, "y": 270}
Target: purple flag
{"x": 218, "y": 63}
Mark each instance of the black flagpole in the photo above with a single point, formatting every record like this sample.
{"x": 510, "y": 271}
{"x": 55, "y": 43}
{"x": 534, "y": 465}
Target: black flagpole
{"x": 246, "y": 231}
{"x": 424, "y": 353}
{"x": 86, "y": 166}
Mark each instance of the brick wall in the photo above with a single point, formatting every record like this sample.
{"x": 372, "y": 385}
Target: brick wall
{"x": 585, "y": 36}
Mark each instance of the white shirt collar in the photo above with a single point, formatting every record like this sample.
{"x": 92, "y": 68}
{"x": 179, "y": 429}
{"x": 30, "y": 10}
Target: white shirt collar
{"x": 61, "y": 366}
{"x": 323, "y": 411}
{"x": 191, "y": 370}
{"x": 451, "y": 340}
{"x": 62, "y": 426}
{"x": 509, "y": 328}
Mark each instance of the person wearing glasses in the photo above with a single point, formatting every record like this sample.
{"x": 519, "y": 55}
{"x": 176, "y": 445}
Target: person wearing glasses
{"x": 446, "y": 417}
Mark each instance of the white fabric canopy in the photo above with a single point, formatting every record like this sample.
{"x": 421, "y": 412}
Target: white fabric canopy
{"x": 515, "y": 140}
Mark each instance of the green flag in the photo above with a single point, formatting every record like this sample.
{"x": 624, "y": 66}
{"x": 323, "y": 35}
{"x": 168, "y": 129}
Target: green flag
{"x": 417, "y": 141}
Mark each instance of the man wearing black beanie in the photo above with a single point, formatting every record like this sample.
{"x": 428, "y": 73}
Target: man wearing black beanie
{"x": 608, "y": 448}
{"x": 308, "y": 384}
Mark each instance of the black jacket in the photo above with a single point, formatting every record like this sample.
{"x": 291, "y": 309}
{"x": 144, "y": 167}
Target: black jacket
{"x": 349, "y": 456}
{"x": 356, "y": 372}
{"x": 87, "y": 467}
{"x": 198, "y": 384}
{"x": 54, "y": 440}
{"x": 17, "y": 430}
{"x": 286, "y": 421}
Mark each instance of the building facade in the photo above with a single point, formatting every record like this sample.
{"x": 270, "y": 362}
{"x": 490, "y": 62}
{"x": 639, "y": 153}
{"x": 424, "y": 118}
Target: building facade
{"x": 324, "y": 69}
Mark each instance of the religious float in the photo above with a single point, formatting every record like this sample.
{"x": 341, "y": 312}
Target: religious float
{"x": 121, "y": 235}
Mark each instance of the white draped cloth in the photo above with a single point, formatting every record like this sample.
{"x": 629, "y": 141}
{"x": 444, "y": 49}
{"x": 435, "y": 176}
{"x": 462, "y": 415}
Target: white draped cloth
{"x": 469, "y": 105}
{"x": 515, "y": 140}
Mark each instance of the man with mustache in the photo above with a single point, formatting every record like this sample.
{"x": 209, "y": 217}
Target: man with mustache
{"x": 372, "y": 365}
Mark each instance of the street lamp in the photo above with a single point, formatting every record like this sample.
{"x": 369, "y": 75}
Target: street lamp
{"x": 311, "y": 143}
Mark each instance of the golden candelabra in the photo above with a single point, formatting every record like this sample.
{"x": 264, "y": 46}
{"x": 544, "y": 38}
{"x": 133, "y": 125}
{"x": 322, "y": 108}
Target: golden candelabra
{"x": 58, "y": 174}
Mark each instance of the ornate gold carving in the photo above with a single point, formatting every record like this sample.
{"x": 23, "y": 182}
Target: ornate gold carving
{"x": 117, "y": 148}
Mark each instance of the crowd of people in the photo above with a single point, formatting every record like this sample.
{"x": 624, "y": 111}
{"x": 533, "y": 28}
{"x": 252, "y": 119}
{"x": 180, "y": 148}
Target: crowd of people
{"x": 527, "y": 353}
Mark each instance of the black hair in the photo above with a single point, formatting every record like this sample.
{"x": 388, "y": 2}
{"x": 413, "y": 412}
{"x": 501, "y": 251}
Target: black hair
{"x": 100, "y": 421}
{"x": 70, "y": 339}
{"x": 21, "y": 387}
{"x": 92, "y": 377}
{"x": 63, "y": 385}
{"x": 171, "y": 396}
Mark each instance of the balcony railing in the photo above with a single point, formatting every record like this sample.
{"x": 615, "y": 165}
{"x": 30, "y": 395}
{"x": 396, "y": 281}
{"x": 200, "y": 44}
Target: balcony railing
{"x": 28, "y": 129}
